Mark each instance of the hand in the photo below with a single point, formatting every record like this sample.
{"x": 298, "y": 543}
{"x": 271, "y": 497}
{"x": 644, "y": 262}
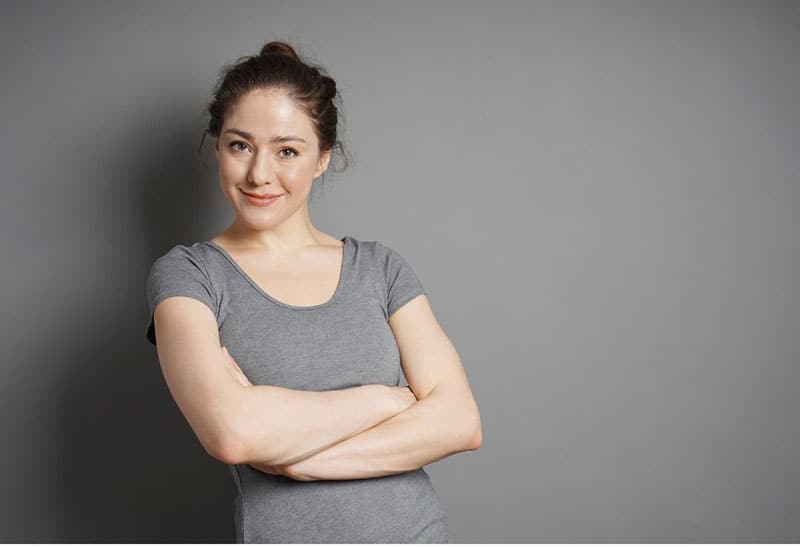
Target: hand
{"x": 265, "y": 468}
{"x": 402, "y": 397}
{"x": 292, "y": 471}
{"x": 234, "y": 369}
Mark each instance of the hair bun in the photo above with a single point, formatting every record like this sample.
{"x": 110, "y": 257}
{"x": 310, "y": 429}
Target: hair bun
{"x": 279, "y": 48}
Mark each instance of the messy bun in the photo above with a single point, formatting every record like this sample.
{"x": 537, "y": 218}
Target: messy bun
{"x": 279, "y": 48}
{"x": 278, "y": 66}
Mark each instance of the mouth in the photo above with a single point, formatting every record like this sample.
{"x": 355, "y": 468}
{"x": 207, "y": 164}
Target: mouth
{"x": 260, "y": 196}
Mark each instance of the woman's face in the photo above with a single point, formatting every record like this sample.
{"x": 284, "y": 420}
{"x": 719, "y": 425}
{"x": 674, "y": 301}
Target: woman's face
{"x": 267, "y": 145}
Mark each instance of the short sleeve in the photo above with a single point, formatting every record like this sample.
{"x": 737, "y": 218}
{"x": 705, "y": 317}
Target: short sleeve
{"x": 402, "y": 282}
{"x": 179, "y": 272}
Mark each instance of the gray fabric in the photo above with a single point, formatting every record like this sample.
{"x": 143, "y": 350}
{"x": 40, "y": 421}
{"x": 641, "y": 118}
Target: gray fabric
{"x": 341, "y": 343}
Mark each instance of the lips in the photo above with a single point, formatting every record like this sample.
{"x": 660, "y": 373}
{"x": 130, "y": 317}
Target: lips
{"x": 260, "y": 196}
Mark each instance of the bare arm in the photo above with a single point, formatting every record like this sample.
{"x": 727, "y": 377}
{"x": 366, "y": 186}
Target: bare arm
{"x": 236, "y": 422}
{"x": 279, "y": 426}
{"x": 434, "y": 428}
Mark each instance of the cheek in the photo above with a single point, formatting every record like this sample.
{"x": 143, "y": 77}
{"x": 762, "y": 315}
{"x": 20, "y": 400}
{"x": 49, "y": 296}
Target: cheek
{"x": 297, "y": 177}
{"x": 229, "y": 169}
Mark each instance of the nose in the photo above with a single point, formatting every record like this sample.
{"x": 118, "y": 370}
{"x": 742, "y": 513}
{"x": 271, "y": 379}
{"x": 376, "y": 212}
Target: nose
{"x": 261, "y": 169}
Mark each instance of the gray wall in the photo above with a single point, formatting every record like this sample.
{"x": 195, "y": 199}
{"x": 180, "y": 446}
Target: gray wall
{"x": 601, "y": 197}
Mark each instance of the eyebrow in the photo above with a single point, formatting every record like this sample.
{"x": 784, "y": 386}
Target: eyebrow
{"x": 279, "y": 138}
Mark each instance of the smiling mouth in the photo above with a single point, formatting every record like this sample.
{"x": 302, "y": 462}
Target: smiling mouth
{"x": 260, "y": 196}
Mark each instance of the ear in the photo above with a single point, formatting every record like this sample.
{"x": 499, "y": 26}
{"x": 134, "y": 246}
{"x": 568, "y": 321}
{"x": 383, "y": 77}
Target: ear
{"x": 216, "y": 148}
{"x": 322, "y": 164}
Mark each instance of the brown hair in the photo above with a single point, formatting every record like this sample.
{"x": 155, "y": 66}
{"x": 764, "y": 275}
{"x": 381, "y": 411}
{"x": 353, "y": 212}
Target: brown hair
{"x": 278, "y": 66}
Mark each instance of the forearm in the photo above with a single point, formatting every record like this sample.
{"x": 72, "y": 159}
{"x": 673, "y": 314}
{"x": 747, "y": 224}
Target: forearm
{"x": 280, "y": 426}
{"x": 429, "y": 430}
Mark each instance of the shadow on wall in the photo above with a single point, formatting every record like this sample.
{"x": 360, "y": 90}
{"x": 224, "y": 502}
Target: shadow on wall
{"x": 128, "y": 467}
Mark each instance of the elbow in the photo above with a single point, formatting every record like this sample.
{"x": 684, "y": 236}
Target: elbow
{"x": 226, "y": 447}
{"x": 242, "y": 440}
{"x": 229, "y": 450}
{"x": 227, "y": 453}
{"x": 475, "y": 431}
{"x": 471, "y": 437}
{"x": 465, "y": 419}
{"x": 467, "y": 438}
{"x": 475, "y": 436}
{"x": 477, "y": 439}
{"x": 229, "y": 444}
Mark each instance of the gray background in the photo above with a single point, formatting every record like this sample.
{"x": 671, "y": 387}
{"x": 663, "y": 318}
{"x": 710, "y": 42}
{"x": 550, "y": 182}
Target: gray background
{"x": 601, "y": 198}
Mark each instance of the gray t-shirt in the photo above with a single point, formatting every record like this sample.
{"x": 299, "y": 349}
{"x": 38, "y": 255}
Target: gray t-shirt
{"x": 341, "y": 343}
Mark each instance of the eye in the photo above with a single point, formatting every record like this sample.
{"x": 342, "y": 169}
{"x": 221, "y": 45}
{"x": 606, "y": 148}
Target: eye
{"x": 292, "y": 150}
{"x": 234, "y": 143}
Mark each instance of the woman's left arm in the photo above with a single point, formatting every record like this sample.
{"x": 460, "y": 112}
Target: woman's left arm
{"x": 444, "y": 421}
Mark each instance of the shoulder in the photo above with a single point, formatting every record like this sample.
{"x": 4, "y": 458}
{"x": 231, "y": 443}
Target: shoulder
{"x": 398, "y": 278}
{"x": 182, "y": 250}
{"x": 181, "y": 264}
{"x": 392, "y": 261}
{"x": 180, "y": 271}
{"x": 182, "y": 258}
{"x": 375, "y": 249}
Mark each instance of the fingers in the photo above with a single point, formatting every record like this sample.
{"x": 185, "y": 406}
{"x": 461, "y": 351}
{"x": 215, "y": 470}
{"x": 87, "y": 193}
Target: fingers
{"x": 270, "y": 469}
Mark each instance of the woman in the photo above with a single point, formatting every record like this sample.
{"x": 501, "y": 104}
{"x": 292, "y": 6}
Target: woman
{"x": 283, "y": 345}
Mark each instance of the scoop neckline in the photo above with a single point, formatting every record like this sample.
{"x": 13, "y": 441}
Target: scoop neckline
{"x": 343, "y": 269}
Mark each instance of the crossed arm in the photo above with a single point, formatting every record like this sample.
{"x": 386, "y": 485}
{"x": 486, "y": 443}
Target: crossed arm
{"x": 443, "y": 421}
{"x": 425, "y": 432}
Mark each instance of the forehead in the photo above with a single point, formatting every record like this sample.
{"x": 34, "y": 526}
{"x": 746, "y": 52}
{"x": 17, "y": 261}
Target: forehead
{"x": 265, "y": 113}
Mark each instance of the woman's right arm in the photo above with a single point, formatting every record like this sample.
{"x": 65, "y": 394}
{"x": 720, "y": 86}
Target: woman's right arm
{"x": 266, "y": 424}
